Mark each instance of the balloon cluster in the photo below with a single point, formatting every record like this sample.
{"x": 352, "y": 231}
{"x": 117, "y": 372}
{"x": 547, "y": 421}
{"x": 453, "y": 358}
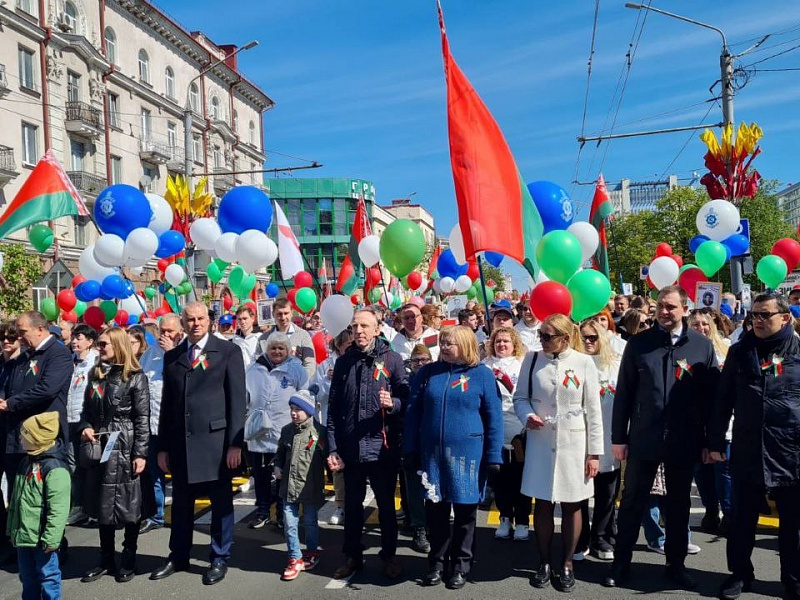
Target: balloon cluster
{"x": 720, "y": 236}
{"x": 773, "y": 268}
{"x": 302, "y": 295}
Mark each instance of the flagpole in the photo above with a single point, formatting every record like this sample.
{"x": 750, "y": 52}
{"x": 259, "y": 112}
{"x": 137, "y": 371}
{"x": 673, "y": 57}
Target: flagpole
{"x": 483, "y": 289}
{"x": 616, "y": 256}
{"x": 311, "y": 271}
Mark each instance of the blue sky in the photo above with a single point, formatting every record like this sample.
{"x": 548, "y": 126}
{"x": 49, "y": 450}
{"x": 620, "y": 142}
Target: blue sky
{"x": 359, "y": 86}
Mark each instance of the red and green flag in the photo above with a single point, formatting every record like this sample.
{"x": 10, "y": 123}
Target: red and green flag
{"x": 600, "y": 211}
{"x": 495, "y": 209}
{"x": 46, "y": 195}
{"x": 349, "y": 272}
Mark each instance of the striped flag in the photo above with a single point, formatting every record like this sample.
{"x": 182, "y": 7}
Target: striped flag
{"x": 600, "y": 211}
{"x": 288, "y": 247}
{"x": 351, "y": 265}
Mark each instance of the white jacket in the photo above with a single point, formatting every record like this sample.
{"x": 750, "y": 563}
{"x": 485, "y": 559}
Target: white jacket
{"x": 529, "y": 335}
{"x": 608, "y": 388}
{"x": 323, "y": 383}
{"x": 77, "y": 386}
{"x": 404, "y": 345}
{"x": 511, "y": 367}
{"x": 249, "y": 346}
{"x": 152, "y": 363}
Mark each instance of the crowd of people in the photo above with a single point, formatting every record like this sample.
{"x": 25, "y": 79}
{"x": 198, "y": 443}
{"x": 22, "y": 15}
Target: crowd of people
{"x": 628, "y": 407}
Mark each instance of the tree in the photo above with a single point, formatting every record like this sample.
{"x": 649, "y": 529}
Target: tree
{"x": 495, "y": 274}
{"x": 20, "y": 270}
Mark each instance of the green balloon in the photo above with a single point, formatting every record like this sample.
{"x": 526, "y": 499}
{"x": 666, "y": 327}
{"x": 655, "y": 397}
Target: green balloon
{"x": 214, "y": 273}
{"x": 772, "y": 270}
{"x": 472, "y": 293}
{"x": 241, "y": 281}
{"x": 41, "y": 237}
{"x": 80, "y": 308}
{"x": 559, "y": 255}
{"x": 374, "y": 295}
{"x": 221, "y": 264}
{"x": 489, "y": 294}
{"x": 686, "y": 267}
{"x": 397, "y": 302}
{"x": 49, "y": 309}
{"x": 184, "y": 288}
{"x": 710, "y": 257}
{"x": 150, "y": 292}
{"x": 402, "y": 247}
{"x": 109, "y": 308}
{"x": 590, "y": 291}
{"x": 305, "y": 299}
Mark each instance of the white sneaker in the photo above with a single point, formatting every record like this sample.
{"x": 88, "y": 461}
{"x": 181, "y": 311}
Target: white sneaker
{"x": 655, "y": 548}
{"x": 692, "y": 549}
{"x": 247, "y": 485}
{"x": 521, "y": 533}
{"x": 581, "y": 555}
{"x": 337, "y": 518}
{"x": 503, "y": 531}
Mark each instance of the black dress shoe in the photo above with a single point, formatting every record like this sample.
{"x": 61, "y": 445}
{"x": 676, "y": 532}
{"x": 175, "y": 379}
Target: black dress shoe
{"x": 616, "y": 576}
{"x": 681, "y": 577}
{"x": 432, "y": 577}
{"x": 148, "y": 526}
{"x": 97, "y": 572}
{"x": 167, "y": 569}
{"x": 457, "y": 581}
{"x": 566, "y": 580}
{"x": 541, "y": 578}
{"x": 216, "y": 573}
{"x": 733, "y": 587}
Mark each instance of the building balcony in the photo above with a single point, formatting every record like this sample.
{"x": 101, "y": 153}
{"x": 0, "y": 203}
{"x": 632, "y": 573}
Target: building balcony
{"x": 155, "y": 151}
{"x": 177, "y": 160}
{"x": 223, "y": 180}
{"x": 88, "y": 184}
{"x": 8, "y": 166}
{"x": 83, "y": 120}
{"x": 4, "y": 89}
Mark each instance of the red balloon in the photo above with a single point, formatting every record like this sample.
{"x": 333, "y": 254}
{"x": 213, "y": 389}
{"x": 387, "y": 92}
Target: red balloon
{"x": 77, "y": 279}
{"x": 122, "y": 317}
{"x": 227, "y": 302}
{"x": 291, "y": 294}
{"x": 69, "y": 316}
{"x": 373, "y": 277}
{"x": 162, "y": 264}
{"x": 473, "y": 271}
{"x": 677, "y": 259}
{"x": 663, "y": 249}
{"x": 252, "y": 306}
{"x": 303, "y": 279}
{"x": 66, "y": 300}
{"x": 94, "y": 317}
{"x": 550, "y": 298}
{"x": 789, "y": 250}
{"x": 160, "y": 311}
{"x": 320, "y": 342}
{"x": 355, "y": 300}
{"x": 689, "y": 279}
{"x": 414, "y": 280}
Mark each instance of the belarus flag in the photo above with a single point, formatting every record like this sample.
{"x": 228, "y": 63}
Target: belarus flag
{"x": 288, "y": 247}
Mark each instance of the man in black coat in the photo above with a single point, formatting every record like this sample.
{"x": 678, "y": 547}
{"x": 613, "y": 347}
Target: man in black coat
{"x": 663, "y": 402}
{"x": 200, "y": 437}
{"x": 368, "y": 390}
{"x": 760, "y": 387}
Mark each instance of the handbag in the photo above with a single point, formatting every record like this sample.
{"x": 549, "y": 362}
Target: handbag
{"x": 257, "y": 424}
{"x": 89, "y": 453}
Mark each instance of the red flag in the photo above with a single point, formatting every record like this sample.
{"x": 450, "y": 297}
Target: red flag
{"x": 434, "y": 261}
{"x": 600, "y": 211}
{"x": 351, "y": 265}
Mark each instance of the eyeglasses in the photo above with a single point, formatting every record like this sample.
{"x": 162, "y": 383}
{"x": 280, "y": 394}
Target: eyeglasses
{"x": 101, "y": 344}
{"x": 9, "y": 338}
{"x": 420, "y": 361}
{"x": 446, "y": 343}
{"x": 763, "y": 316}
{"x": 549, "y": 337}
{"x": 592, "y": 339}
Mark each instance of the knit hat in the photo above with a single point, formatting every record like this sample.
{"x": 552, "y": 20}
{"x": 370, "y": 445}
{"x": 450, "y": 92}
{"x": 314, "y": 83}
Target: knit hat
{"x": 303, "y": 400}
{"x": 40, "y": 432}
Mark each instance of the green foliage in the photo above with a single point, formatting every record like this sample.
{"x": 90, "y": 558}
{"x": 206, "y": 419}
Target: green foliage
{"x": 20, "y": 270}
{"x": 495, "y": 274}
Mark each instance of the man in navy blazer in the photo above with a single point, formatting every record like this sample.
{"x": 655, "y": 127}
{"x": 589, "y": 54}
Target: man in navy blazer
{"x": 200, "y": 437}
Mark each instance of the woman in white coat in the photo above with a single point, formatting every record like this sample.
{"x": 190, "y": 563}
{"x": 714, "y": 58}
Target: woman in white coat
{"x": 561, "y": 411}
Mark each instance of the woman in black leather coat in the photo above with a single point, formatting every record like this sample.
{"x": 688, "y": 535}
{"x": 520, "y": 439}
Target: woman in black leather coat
{"x": 117, "y": 400}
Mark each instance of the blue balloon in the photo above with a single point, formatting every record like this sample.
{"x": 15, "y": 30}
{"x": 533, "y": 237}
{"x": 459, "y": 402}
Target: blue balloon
{"x": 88, "y": 290}
{"x": 121, "y": 208}
{"x": 272, "y": 290}
{"x": 128, "y": 289}
{"x": 244, "y": 207}
{"x": 104, "y": 296}
{"x": 728, "y": 254}
{"x": 553, "y": 203}
{"x": 738, "y": 244}
{"x": 162, "y": 289}
{"x": 449, "y": 267}
{"x": 133, "y": 320}
{"x": 170, "y": 243}
{"x": 696, "y": 242}
{"x": 493, "y": 258}
{"x": 113, "y": 287}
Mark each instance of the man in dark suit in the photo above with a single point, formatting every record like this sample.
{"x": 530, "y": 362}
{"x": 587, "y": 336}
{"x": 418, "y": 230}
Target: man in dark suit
{"x": 200, "y": 437}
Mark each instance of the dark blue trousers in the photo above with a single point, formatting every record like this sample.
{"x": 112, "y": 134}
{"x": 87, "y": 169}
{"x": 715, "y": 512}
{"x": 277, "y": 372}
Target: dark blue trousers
{"x": 220, "y": 494}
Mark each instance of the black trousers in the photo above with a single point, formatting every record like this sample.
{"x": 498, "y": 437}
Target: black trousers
{"x": 382, "y": 476}
{"x": 511, "y": 502}
{"x": 639, "y": 475}
{"x": 262, "y": 476}
{"x": 604, "y": 522}
{"x": 747, "y": 502}
{"x": 107, "y": 545}
{"x": 451, "y": 547}
{"x": 220, "y": 493}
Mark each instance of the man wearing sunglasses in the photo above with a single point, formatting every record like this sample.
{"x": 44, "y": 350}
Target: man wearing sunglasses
{"x": 666, "y": 382}
{"x": 760, "y": 386}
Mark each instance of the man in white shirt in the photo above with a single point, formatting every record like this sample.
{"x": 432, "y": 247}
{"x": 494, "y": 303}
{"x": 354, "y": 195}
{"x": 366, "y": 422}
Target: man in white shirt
{"x": 528, "y": 328}
{"x": 414, "y": 332}
{"x": 246, "y": 335}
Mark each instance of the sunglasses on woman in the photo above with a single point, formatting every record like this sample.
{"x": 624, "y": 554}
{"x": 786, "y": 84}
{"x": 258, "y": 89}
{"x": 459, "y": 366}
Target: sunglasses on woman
{"x": 101, "y": 344}
{"x": 591, "y": 339}
{"x": 9, "y": 338}
{"x": 549, "y": 337}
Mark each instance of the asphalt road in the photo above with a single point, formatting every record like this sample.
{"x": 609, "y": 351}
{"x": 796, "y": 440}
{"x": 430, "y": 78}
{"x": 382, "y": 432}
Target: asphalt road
{"x": 502, "y": 570}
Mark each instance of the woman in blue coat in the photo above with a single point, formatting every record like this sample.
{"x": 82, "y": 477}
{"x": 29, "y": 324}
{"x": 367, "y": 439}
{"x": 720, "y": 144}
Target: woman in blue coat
{"x": 453, "y": 435}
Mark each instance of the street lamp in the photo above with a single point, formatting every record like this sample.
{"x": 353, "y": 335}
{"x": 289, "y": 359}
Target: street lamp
{"x": 188, "y": 114}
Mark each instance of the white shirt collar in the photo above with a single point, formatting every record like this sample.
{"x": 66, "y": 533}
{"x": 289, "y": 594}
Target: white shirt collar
{"x": 43, "y": 342}
{"x": 201, "y": 344}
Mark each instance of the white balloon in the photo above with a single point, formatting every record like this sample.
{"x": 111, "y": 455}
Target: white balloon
{"x": 437, "y": 286}
{"x": 161, "y": 220}
{"x": 588, "y": 237}
{"x": 336, "y": 313}
{"x": 226, "y": 246}
{"x": 134, "y": 306}
{"x": 137, "y": 270}
{"x": 141, "y": 243}
{"x": 447, "y": 285}
{"x": 457, "y": 245}
{"x": 109, "y": 250}
{"x": 386, "y": 299}
{"x": 204, "y": 233}
{"x": 255, "y": 250}
{"x": 369, "y": 250}
{"x": 718, "y": 220}
{"x": 90, "y": 268}
{"x": 175, "y": 275}
{"x": 663, "y": 272}
{"x": 462, "y": 284}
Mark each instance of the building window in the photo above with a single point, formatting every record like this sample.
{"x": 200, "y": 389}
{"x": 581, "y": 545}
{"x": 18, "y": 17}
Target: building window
{"x": 146, "y": 124}
{"x": 172, "y": 134}
{"x": 73, "y": 86}
{"x": 80, "y": 230}
{"x": 71, "y": 16}
{"x": 116, "y": 169}
{"x": 169, "y": 83}
{"x": 217, "y": 156}
{"x": 77, "y": 151}
{"x": 29, "y": 6}
{"x": 113, "y": 110}
{"x": 215, "y": 108}
{"x": 253, "y": 175}
{"x": 27, "y": 78}
{"x": 111, "y": 45}
{"x": 194, "y": 98}
{"x": 251, "y": 134}
{"x": 149, "y": 174}
{"x": 235, "y": 121}
{"x": 197, "y": 148}
{"x": 144, "y": 67}
{"x": 310, "y": 226}
{"x": 340, "y": 216}
{"x": 30, "y": 152}
{"x": 325, "y": 208}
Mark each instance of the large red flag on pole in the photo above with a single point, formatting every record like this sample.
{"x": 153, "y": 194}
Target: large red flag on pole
{"x": 351, "y": 265}
{"x": 600, "y": 211}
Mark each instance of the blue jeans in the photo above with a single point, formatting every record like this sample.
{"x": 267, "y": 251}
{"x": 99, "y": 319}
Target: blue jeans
{"x": 653, "y": 532}
{"x": 291, "y": 523}
{"x": 159, "y": 480}
{"x": 39, "y": 573}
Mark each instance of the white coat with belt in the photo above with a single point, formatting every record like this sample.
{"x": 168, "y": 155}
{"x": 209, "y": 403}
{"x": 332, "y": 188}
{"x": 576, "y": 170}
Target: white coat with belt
{"x": 566, "y": 395}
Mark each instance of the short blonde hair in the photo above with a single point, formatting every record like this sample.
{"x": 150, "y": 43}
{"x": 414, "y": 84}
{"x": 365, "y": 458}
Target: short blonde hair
{"x": 519, "y": 347}
{"x": 566, "y": 327}
{"x": 123, "y": 354}
{"x": 465, "y": 339}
